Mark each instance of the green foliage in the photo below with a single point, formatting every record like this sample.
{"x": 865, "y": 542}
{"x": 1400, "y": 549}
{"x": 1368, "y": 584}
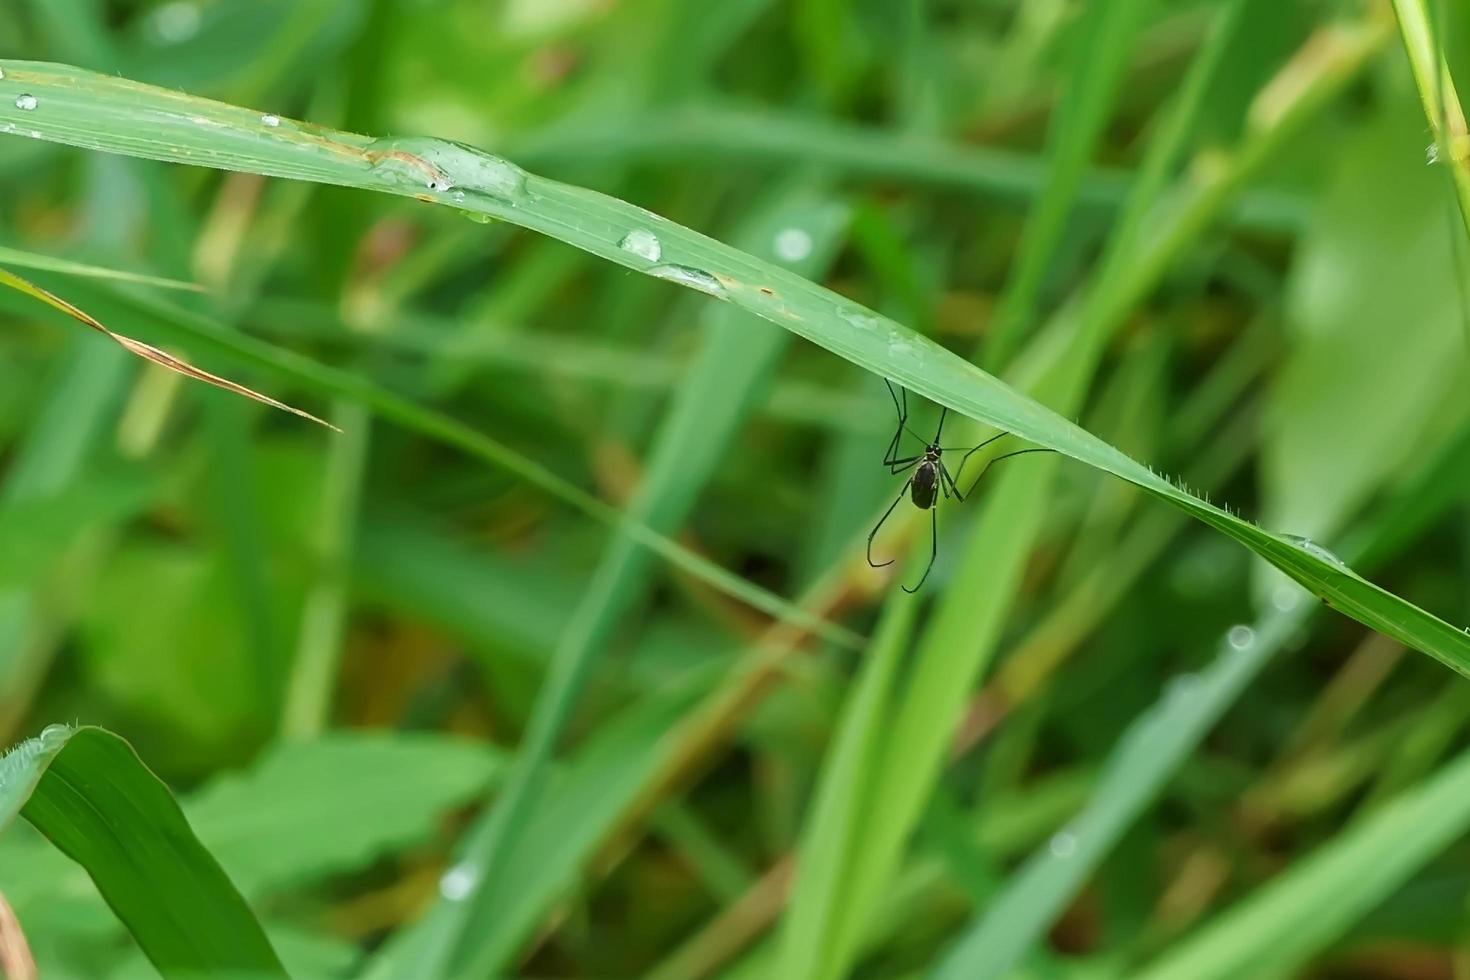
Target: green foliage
{"x": 564, "y": 658}
{"x": 92, "y": 797}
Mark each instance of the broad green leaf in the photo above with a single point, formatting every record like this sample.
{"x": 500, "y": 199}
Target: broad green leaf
{"x": 300, "y": 815}
{"x": 104, "y": 113}
{"x": 1367, "y": 260}
{"x": 88, "y": 792}
{"x": 333, "y": 804}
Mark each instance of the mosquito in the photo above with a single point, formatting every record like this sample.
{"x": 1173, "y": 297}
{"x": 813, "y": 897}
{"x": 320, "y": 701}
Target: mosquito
{"x": 930, "y": 477}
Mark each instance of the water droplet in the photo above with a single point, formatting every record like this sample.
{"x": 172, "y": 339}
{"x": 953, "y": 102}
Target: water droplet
{"x": 1315, "y": 550}
{"x": 1182, "y": 686}
{"x": 2, "y": 73}
{"x": 1286, "y": 597}
{"x": 898, "y": 346}
{"x": 441, "y": 165}
{"x": 687, "y": 276}
{"x": 793, "y": 244}
{"x": 642, "y": 243}
{"x": 479, "y": 217}
{"x": 270, "y": 120}
{"x": 174, "y": 23}
{"x": 457, "y": 883}
{"x": 861, "y": 319}
{"x": 25, "y": 103}
{"x": 1240, "y": 636}
{"x": 1063, "y": 844}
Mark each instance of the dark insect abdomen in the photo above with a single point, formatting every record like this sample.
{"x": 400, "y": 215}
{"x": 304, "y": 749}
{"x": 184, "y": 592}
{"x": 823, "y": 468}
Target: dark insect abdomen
{"x": 923, "y": 489}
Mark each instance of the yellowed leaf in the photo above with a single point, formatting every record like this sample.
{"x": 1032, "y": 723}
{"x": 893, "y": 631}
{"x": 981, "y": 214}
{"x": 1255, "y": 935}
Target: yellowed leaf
{"x": 148, "y": 351}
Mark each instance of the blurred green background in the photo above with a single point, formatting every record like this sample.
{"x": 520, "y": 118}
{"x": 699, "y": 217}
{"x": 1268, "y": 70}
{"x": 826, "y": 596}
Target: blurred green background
{"x": 1168, "y": 763}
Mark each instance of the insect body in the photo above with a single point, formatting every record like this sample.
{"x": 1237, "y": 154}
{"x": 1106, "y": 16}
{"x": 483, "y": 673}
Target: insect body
{"x": 923, "y": 486}
{"x": 930, "y": 478}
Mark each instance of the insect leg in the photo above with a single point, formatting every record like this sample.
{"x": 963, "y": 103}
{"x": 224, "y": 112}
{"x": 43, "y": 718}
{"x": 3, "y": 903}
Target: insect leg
{"x": 874, "y": 533}
{"x": 933, "y": 550}
{"x": 960, "y": 470}
{"x": 1018, "y": 452}
{"x": 945, "y": 477}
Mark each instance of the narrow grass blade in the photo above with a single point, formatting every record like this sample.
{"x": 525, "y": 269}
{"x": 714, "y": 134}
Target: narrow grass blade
{"x": 568, "y": 820}
{"x": 180, "y": 325}
{"x": 1162, "y": 738}
{"x": 99, "y": 112}
{"x": 843, "y": 799}
{"x": 1276, "y": 929}
{"x": 147, "y": 351}
{"x": 46, "y": 263}
{"x": 962, "y": 636}
{"x": 1437, "y": 93}
{"x": 736, "y": 364}
{"x": 1110, "y": 29}
{"x": 94, "y": 799}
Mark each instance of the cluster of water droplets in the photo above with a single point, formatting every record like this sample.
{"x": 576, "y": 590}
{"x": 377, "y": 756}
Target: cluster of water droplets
{"x": 644, "y": 244}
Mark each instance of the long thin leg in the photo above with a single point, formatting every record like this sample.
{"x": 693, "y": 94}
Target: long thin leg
{"x": 943, "y": 414}
{"x": 889, "y": 454}
{"x": 997, "y": 459}
{"x": 966, "y": 458}
{"x": 903, "y": 413}
{"x": 901, "y": 465}
{"x": 947, "y": 481}
{"x": 933, "y": 550}
{"x": 874, "y": 533}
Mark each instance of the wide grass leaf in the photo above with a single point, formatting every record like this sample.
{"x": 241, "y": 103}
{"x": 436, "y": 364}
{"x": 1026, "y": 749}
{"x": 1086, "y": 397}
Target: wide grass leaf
{"x": 90, "y": 794}
{"x": 101, "y": 112}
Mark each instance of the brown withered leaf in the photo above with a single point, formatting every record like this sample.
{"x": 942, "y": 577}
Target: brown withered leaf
{"x": 148, "y": 351}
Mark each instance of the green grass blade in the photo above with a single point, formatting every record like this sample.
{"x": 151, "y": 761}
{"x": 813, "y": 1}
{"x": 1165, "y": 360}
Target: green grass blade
{"x": 172, "y": 324}
{"x": 99, "y": 112}
{"x": 1285, "y": 922}
{"x": 1110, "y": 29}
{"x": 843, "y": 798}
{"x": 567, "y": 822}
{"x": 736, "y": 364}
{"x": 963, "y": 634}
{"x": 88, "y": 792}
{"x": 47, "y": 263}
{"x": 1162, "y": 738}
{"x": 1437, "y": 93}
{"x": 1146, "y": 755}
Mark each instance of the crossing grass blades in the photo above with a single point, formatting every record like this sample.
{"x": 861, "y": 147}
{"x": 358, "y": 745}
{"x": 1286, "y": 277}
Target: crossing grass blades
{"x": 930, "y": 476}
